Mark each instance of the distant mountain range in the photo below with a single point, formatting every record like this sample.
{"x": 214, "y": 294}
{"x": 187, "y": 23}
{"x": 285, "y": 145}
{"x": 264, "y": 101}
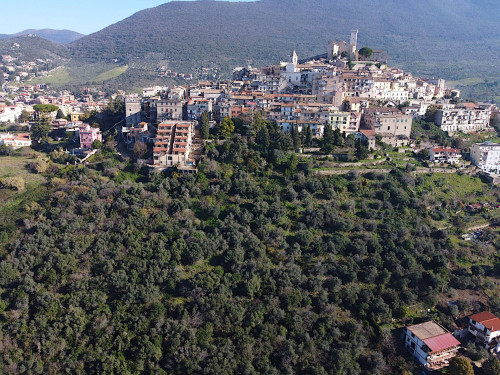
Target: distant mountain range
{"x": 455, "y": 40}
{"x": 57, "y": 36}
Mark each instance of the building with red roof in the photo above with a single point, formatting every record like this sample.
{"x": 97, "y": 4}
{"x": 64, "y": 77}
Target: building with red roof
{"x": 431, "y": 344}
{"x": 445, "y": 155}
{"x": 485, "y": 327}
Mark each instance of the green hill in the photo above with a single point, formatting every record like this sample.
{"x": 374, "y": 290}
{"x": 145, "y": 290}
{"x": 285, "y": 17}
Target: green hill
{"x": 29, "y": 48}
{"x": 428, "y": 35}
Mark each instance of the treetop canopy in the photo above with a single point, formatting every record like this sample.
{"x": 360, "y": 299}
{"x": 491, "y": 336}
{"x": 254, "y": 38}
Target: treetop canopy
{"x": 45, "y": 108}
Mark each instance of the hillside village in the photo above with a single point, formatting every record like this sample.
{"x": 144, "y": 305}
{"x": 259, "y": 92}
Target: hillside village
{"x": 348, "y": 94}
{"x": 346, "y": 88}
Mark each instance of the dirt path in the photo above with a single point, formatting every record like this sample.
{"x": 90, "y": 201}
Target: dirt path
{"x": 477, "y": 227}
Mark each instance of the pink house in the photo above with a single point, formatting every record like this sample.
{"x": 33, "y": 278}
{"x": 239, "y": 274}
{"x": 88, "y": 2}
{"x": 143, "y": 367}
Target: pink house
{"x": 88, "y": 135}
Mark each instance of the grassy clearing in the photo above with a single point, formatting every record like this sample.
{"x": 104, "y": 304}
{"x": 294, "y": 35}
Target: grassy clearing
{"x": 454, "y": 186}
{"x": 115, "y": 72}
{"x": 15, "y": 166}
{"x": 13, "y": 203}
{"x": 466, "y": 81}
{"x": 60, "y": 76}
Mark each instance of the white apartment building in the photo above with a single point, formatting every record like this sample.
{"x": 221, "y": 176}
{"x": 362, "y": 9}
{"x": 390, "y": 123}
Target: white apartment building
{"x": 485, "y": 327}
{"x": 10, "y": 113}
{"x": 486, "y": 156}
{"x": 431, "y": 345}
{"x": 467, "y": 118}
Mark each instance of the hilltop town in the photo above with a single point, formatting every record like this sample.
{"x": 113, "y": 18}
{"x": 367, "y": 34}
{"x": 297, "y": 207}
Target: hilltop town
{"x": 347, "y": 89}
{"x": 331, "y": 200}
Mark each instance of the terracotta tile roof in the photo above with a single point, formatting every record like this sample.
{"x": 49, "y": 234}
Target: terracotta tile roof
{"x": 488, "y": 320}
{"x": 446, "y": 149}
{"x": 482, "y": 316}
{"x": 368, "y": 132}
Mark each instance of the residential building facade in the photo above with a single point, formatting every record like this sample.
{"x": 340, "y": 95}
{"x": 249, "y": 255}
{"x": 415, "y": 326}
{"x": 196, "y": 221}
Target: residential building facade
{"x": 173, "y": 144}
{"x": 88, "y": 135}
{"x": 486, "y": 156}
{"x": 466, "y": 118}
{"x": 485, "y": 327}
{"x": 431, "y": 345}
{"x": 445, "y": 155}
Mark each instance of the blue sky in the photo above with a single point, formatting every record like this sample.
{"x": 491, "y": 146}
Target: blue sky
{"x": 84, "y": 16}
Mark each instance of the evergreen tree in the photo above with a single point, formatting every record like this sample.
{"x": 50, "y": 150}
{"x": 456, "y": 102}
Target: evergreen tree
{"x": 491, "y": 366}
{"x": 24, "y": 116}
{"x": 226, "y": 128}
{"x": 263, "y": 140}
{"x": 204, "y": 125}
{"x": 40, "y": 131}
{"x": 338, "y": 140}
{"x": 295, "y": 136}
{"x": 60, "y": 114}
{"x": 309, "y": 136}
{"x": 361, "y": 149}
{"x": 328, "y": 140}
{"x": 430, "y": 114}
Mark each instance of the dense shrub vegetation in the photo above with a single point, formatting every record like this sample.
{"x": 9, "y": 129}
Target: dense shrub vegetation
{"x": 252, "y": 266}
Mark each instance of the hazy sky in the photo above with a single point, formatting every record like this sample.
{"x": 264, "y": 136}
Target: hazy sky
{"x": 84, "y": 16}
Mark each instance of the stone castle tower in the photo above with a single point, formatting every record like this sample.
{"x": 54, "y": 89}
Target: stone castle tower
{"x": 353, "y": 45}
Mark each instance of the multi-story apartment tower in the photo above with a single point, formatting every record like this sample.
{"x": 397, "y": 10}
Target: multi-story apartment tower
{"x": 173, "y": 144}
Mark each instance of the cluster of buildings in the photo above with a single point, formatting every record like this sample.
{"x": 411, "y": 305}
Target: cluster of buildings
{"x": 15, "y": 70}
{"x": 485, "y": 156}
{"x": 164, "y": 71}
{"x": 23, "y": 98}
{"x": 433, "y": 346}
{"x": 358, "y": 95}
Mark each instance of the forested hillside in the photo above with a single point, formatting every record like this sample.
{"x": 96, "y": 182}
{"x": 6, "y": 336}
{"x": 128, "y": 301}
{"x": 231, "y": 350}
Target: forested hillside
{"x": 446, "y": 38}
{"x": 30, "y": 48}
{"x": 255, "y": 265}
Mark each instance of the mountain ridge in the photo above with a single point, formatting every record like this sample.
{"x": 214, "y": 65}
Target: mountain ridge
{"x": 272, "y": 24}
{"x": 63, "y": 36}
